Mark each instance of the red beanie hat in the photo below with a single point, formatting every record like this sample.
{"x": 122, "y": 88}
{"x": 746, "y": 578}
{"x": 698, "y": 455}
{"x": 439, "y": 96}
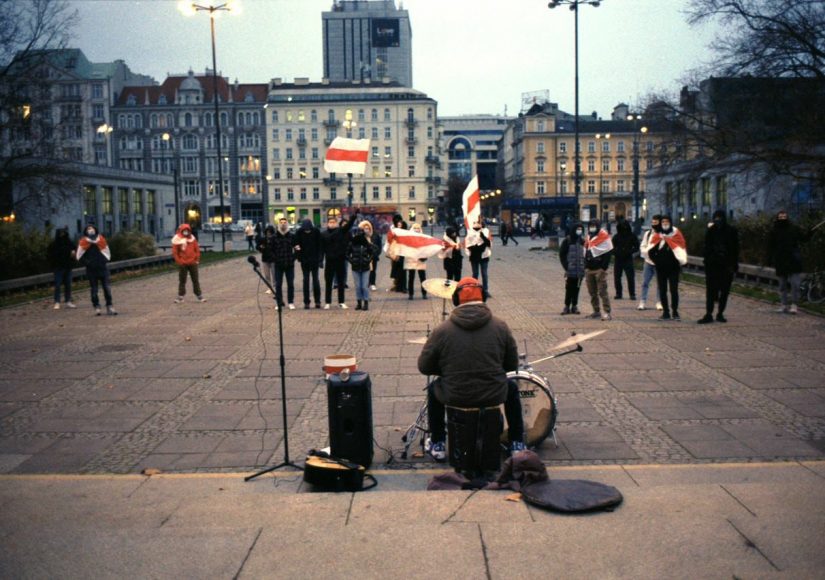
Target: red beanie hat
{"x": 469, "y": 290}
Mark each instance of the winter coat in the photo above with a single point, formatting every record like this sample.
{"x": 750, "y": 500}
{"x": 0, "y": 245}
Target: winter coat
{"x": 264, "y": 246}
{"x": 663, "y": 258}
{"x": 721, "y": 247}
{"x": 478, "y": 244}
{"x": 334, "y": 241}
{"x": 644, "y": 246}
{"x": 374, "y": 238}
{"x": 61, "y": 251}
{"x": 360, "y": 254}
{"x": 472, "y": 352}
{"x": 185, "y": 251}
{"x": 452, "y": 256}
{"x": 785, "y": 248}
{"x": 571, "y": 255}
{"x": 93, "y": 252}
{"x": 283, "y": 249}
{"x": 625, "y": 243}
{"x": 308, "y": 238}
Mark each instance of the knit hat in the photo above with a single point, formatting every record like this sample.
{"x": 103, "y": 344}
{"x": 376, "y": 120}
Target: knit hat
{"x": 471, "y": 291}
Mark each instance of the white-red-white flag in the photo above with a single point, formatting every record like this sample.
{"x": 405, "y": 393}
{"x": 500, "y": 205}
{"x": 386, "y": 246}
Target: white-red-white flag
{"x": 410, "y": 244}
{"x": 676, "y": 240}
{"x": 347, "y": 156}
{"x": 599, "y": 244}
{"x": 471, "y": 203}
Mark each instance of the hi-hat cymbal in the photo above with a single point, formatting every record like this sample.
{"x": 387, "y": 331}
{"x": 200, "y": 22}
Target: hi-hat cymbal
{"x": 420, "y": 340}
{"x": 441, "y": 287}
{"x": 576, "y": 339}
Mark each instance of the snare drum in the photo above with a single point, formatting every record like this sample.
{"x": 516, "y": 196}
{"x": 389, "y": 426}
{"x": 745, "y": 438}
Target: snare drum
{"x": 538, "y": 406}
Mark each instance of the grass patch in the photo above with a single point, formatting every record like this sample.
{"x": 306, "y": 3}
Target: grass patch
{"x": 78, "y": 286}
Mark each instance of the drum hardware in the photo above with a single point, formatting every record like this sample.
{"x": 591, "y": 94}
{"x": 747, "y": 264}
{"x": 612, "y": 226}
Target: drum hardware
{"x": 577, "y": 338}
{"x": 444, "y": 288}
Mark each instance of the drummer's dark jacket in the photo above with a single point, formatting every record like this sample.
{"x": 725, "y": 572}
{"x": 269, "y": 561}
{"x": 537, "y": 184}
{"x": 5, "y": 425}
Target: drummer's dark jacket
{"x": 471, "y": 352}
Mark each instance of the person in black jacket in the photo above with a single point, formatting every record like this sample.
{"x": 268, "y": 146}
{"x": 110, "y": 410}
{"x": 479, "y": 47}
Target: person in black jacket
{"x": 668, "y": 250}
{"x": 283, "y": 250}
{"x": 598, "y": 246}
{"x": 571, "y": 255}
{"x": 308, "y": 246}
{"x": 376, "y": 243}
{"x": 334, "y": 244}
{"x": 360, "y": 256}
{"x": 625, "y": 247}
{"x": 721, "y": 264}
{"x": 785, "y": 255}
{"x": 397, "y": 267}
{"x": 262, "y": 243}
{"x": 61, "y": 254}
{"x": 93, "y": 252}
{"x": 453, "y": 258}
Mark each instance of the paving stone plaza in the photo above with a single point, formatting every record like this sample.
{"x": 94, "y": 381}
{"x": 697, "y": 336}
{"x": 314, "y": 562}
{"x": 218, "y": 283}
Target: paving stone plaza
{"x": 196, "y": 387}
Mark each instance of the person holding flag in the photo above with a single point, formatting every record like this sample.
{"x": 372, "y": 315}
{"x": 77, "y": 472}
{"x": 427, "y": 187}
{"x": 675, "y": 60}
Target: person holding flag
{"x": 93, "y": 252}
{"x": 598, "y": 246}
{"x": 479, "y": 247}
{"x": 668, "y": 250}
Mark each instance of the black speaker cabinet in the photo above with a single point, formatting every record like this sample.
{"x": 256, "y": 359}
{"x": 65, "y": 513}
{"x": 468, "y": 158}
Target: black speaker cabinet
{"x": 349, "y": 405}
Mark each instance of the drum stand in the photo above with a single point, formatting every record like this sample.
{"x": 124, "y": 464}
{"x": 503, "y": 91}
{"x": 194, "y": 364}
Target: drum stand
{"x": 286, "y": 462}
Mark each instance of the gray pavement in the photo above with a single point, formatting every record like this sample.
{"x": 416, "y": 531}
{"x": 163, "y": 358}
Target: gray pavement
{"x": 714, "y": 434}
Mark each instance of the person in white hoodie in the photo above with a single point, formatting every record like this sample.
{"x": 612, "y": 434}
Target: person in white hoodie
{"x": 649, "y": 271}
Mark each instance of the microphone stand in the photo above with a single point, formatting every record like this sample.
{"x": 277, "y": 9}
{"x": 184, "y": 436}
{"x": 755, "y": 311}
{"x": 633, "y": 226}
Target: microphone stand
{"x": 286, "y": 462}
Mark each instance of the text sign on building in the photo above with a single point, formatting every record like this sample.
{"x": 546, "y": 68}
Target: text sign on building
{"x": 385, "y": 32}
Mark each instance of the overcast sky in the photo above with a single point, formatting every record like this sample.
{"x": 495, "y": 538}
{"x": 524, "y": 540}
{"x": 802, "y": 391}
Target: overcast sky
{"x": 472, "y": 56}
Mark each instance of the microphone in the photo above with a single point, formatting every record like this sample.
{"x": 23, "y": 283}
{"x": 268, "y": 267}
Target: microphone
{"x": 253, "y": 260}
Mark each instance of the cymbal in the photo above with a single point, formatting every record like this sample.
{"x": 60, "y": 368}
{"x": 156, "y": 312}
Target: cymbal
{"x": 420, "y": 340}
{"x": 441, "y": 287}
{"x": 576, "y": 339}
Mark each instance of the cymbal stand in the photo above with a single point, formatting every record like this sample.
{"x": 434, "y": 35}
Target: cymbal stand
{"x": 421, "y": 425}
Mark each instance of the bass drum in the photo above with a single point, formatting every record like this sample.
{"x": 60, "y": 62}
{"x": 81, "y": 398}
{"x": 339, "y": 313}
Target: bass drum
{"x": 538, "y": 406}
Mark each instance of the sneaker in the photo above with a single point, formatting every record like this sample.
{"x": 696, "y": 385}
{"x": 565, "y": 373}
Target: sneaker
{"x": 373, "y": 287}
{"x": 201, "y": 299}
{"x": 317, "y": 305}
{"x": 607, "y": 316}
{"x": 665, "y": 316}
{"x": 291, "y": 306}
{"x": 326, "y": 306}
{"x": 659, "y": 306}
{"x": 57, "y": 305}
{"x": 179, "y": 300}
{"x": 306, "y": 306}
{"x": 517, "y": 446}
{"x": 98, "y": 311}
{"x": 268, "y": 291}
{"x": 676, "y": 316}
{"x": 437, "y": 450}
{"x": 70, "y": 304}
{"x": 641, "y": 305}
{"x": 617, "y": 297}
{"x": 783, "y": 309}
{"x": 793, "y": 309}
{"x": 721, "y": 318}
{"x": 110, "y": 310}
{"x": 566, "y": 311}
{"x": 595, "y": 315}
{"x": 575, "y": 310}
{"x": 342, "y": 306}
{"x": 706, "y": 319}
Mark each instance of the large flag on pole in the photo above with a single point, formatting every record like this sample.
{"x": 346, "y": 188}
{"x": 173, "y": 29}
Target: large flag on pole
{"x": 410, "y": 244}
{"x": 471, "y": 203}
{"x": 347, "y": 156}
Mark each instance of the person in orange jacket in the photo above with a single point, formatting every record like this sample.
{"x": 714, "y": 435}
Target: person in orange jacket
{"x": 187, "y": 254}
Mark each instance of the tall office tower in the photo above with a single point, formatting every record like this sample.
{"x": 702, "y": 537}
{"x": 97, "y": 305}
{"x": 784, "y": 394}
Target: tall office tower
{"x": 367, "y": 40}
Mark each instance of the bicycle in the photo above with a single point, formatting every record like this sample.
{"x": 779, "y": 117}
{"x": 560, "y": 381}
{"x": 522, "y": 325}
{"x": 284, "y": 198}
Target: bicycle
{"x": 812, "y": 287}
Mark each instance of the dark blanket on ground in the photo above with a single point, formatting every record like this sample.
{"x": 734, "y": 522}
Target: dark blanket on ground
{"x": 525, "y": 473}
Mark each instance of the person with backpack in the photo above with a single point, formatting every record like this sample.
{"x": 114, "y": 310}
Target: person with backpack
{"x": 571, "y": 255}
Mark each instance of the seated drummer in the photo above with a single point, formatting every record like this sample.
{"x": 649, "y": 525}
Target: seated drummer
{"x": 471, "y": 353}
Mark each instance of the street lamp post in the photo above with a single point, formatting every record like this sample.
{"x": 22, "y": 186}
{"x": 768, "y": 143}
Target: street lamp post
{"x": 349, "y": 124}
{"x": 599, "y": 137}
{"x": 167, "y": 143}
{"x": 213, "y": 13}
{"x": 637, "y": 131}
{"x": 105, "y": 130}
{"x": 574, "y": 6}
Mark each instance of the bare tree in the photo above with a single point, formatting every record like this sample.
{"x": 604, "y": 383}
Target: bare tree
{"x": 31, "y": 172}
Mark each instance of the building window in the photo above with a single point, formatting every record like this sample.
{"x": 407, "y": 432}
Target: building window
{"x": 540, "y": 126}
{"x": 706, "y": 200}
{"x": 276, "y": 134}
{"x": 562, "y": 147}
{"x": 315, "y": 174}
{"x": 387, "y": 115}
{"x": 374, "y": 133}
{"x": 316, "y": 193}
{"x": 620, "y": 185}
{"x": 620, "y": 164}
{"x": 376, "y": 192}
{"x": 288, "y": 134}
{"x": 605, "y": 185}
{"x": 563, "y": 186}
{"x": 591, "y": 186}
{"x": 276, "y": 194}
{"x": 374, "y": 115}
{"x": 411, "y": 151}
{"x": 411, "y": 193}
{"x": 375, "y": 152}
{"x": 540, "y": 188}
{"x": 276, "y": 154}
{"x": 313, "y": 116}
{"x": 591, "y": 165}
{"x": 387, "y": 152}
{"x": 605, "y": 164}
{"x": 289, "y": 173}
{"x": 290, "y": 194}
{"x": 722, "y": 191}
{"x": 89, "y": 200}
{"x": 303, "y": 194}
{"x": 274, "y": 116}
{"x": 313, "y": 133}
{"x": 591, "y": 146}
{"x": 540, "y": 147}
{"x": 362, "y": 133}
{"x": 388, "y": 192}
{"x": 108, "y": 200}
{"x": 605, "y": 146}
{"x": 123, "y": 201}
{"x": 289, "y": 152}
{"x": 620, "y": 146}
{"x": 540, "y": 166}
{"x": 333, "y": 193}
{"x": 315, "y": 153}
{"x": 411, "y": 171}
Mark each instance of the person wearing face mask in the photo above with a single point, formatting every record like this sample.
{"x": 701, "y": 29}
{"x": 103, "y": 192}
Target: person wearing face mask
{"x": 649, "y": 269}
{"x": 785, "y": 255}
{"x": 359, "y": 256}
{"x": 413, "y": 265}
{"x": 479, "y": 247}
{"x": 334, "y": 241}
{"x": 187, "y": 254}
{"x": 721, "y": 264}
{"x": 283, "y": 256}
{"x": 61, "y": 254}
{"x": 571, "y": 255}
{"x": 598, "y": 246}
{"x": 625, "y": 247}
{"x": 668, "y": 250}
{"x": 308, "y": 246}
{"x": 452, "y": 254}
{"x": 93, "y": 252}
{"x": 397, "y": 273}
{"x": 376, "y": 243}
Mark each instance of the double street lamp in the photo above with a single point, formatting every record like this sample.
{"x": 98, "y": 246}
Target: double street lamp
{"x": 190, "y": 8}
{"x": 637, "y": 132}
{"x": 574, "y": 6}
{"x": 167, "y": 144}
